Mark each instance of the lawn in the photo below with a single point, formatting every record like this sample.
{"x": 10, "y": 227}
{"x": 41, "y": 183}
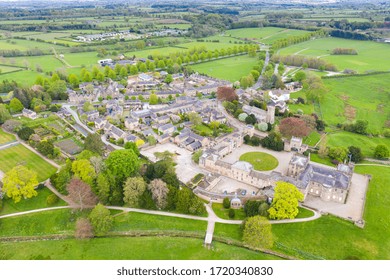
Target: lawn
{"x": 127, "y": 248}
{"x": 232, "y": 68}
{"x": 304, "y": 213}
{"x": 260, "y": 161}
{"x": 36, "y": 202}
{"x": 6, "y": 137}
{"x": 138, "y": 221}
{"x": 312, "y": 138}
{"x": 223, "y": 213}
{"x": 15, "y": 155}
{"x": 201, "y": 128}
{"x": 371, "y": 55}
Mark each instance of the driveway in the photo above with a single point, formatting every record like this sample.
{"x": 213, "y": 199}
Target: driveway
{"x": 283, "y": 157}
{"x": 185, "y": 168}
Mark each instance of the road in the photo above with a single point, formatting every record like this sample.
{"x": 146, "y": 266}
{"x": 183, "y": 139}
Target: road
{"x": 259, "y": 80}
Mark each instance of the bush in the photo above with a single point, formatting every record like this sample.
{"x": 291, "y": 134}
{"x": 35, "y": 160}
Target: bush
{"x": 51, "y": 199}
{"x": 226, "y": 203}
{"x": 25, "y": 133}
{"x": 381, "y": 152}
{"x": 232, "y": 213}
{"x": 386, "y": 133}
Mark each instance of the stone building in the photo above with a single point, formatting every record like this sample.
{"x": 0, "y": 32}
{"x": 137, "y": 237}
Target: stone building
{"x": 261, "y": 115}
{"x": 295, "y": 144}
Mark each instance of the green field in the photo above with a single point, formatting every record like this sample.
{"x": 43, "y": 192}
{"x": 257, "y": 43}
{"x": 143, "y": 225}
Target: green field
{"x": 5, "y": 137}
{"x": 266, "y": 35}
{"x": 371, "y": 55}
{"x": 25, "y": 77}
{"x": 15, "y": 155}
{"x": 24, "y": 45}
{"x": 354, "y": 98}
{"x": 260, "y": 161}
{"x": 232, "y": 68}
{"x": 35, "y": 202}
{"x": 7, "y": 69}
{"x": 127, "y": 248}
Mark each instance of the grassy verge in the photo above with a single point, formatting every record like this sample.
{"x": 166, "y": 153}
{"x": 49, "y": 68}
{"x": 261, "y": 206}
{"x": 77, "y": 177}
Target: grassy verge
{"x": 223, "y": 213}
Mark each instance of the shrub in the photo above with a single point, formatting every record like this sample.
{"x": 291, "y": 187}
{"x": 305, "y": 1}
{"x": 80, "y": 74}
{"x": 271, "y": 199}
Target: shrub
{"x": 25, "y": 133}
{"x": 226, "y": 203}
{"x": 51, "y": 199}
{"x": 231, "y": 213}
{"x": 381, "y": 152}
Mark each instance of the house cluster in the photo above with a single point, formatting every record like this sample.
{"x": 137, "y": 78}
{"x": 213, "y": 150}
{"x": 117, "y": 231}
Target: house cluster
{"x": 91, "y": 92}
{"x": 267, "y": 116}
{"x": 107, "y": 36}
{"x": 29, "y": 114}
{"x": 330, "y": 184}
{"x": 167, "y": 32}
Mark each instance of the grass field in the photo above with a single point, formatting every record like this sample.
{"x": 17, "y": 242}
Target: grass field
{"x": 127, "y": 248}
{"x": 223, "y": 213}
{"x": 232, "y": 68}
{"x": 5, "y": 137}
{"x": 354, "y": 98}
{"x": 36, "y": 202}
{"x": 312, "y": 138}
{"x": 7, "y": 69}
{"x": 138, "y": 221}
{"x": 371, "y": 55}
{"x": 25, "y": 77}
{"x": 266, "y": 35}
{"x": 15, "y": 155}
{"x": 260, "y": 161}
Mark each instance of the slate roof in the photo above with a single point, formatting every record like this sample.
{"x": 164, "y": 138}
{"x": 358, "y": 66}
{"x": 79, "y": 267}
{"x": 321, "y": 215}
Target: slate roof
{"x": 325, "y": 176}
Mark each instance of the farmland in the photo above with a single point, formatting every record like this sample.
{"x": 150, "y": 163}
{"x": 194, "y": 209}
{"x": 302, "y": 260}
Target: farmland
{"x": 371, "y": 55}
{"x": 18, "y": 154}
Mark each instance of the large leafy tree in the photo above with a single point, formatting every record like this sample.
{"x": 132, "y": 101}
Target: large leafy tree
{"x": 285, "y": 202}
{"x": 20, "y": 182}
{"x": 133, "y": 189}
{"x": 94, "y": 143}
{"x": 294, "y": 127}
{"x": 15, "y": 105}
{"x": 81, "y": 194}
{"x": 25, "y": 133}
{"x": 4, "y": 114}
{"x": 159, "y": 191}
{"x": 258, "y": 233}
{"x": 83, "y": 170}
{"x": 381, "y": 152}
{"x": 101, "y": 220}
{"x": 122, "y": 164}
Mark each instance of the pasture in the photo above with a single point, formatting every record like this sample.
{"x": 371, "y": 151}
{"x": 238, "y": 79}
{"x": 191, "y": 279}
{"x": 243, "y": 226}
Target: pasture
{"x": 231, "y": 69}
{"x": 18, "y": 154}
{"x": 8, "y": 69}
{"x": 371, "y": 55}
{"x": 266, "y": 35}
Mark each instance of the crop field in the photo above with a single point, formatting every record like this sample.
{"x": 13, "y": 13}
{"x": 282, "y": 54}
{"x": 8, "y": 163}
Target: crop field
{"x": 69, "y": 146}
{"x": 371, "y": 55}
{"x": 18, "y": 154}
{"x": 265, "y": 35}
{"x": 232, "y": 68}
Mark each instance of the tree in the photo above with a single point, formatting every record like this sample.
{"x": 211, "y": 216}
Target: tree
{"x": 151, "y": 140}
{"x": 300, "y": 76}
{"x": 226, "y": 94}
{"x": 195, "y": 118}
{"x": 73, "y": 80}
{"x": 258, "y": 233}
{"x": 25, "y": 133}
{"x": 285, "y": 202}
{"x": 102, "y": 189}
{"x": 263, "y": 209}
{"x": 46, "y": 148}
{"x": 153, "y": 99}
{"x": 338, "y": 153}
{"x": 4, "y": 114}
{"x": 101, "y": 220}
{"x": 293, "y": 127}
{"x": 15, "y": 106}
{"x": 251, "y": 119}
{"x": 81, "y": 194}
{"x": 94, "y": 143}
{"x": 381, "y": 152}
{"x": 255, "y": 74}
{"x": 168, "y": 79}
{"x": 122, "y": 164}
{"x": 133, "y": 189}
{"x": 57, "y": 90}
{"x": 355, "y": 153}
{"x": 84, "y": 229}
{"x": 159, "y": 191}
{"x": 83, "y": 170}
{"x": 20, "y": 182}
{"x": 226, "y": 203}
{"x": 132, "y": 146}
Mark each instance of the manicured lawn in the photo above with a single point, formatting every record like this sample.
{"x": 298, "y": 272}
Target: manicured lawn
{"x": 312, "y": 138}
{"x": 371, "y": 55}
{"x": 5, "y": 137}
{"x": 15, "y": 155}
{"x": 231, "y": 69}
{"x": 36, "y": 202}
{"x": 260, "y": 161}
{"x": 139, "y": 221}
{"x": 127, "y": 248}
{"x": 223, "y": 213}
{"x": 228, "y": 231}
{"x": 304, "y": 213}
